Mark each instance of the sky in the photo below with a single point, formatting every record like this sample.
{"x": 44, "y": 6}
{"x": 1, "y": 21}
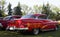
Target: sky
{"x": 30, "y": 3}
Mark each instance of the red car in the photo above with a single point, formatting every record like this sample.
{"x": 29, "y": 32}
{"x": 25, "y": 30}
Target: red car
{"x": 5, "y": 20}
{"x": 33, "y": 23}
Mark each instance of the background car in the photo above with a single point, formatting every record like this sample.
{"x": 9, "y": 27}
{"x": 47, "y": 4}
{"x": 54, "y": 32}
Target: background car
{"x": 33, "y": 23}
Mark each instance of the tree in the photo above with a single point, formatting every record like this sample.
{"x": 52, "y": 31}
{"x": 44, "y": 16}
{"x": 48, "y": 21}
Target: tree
{"x": 1, "y": 13}
{"x": 46, "y": 10}
{"x": 2, "y": 3}
{"x": 17, "y": 10}
{"x": 25, "y": 9}
{"x": 58, "y": 16}
{"x": 37, "y": 8}
{"x": 57, "y": 12}
{"x": 9, "y": 9}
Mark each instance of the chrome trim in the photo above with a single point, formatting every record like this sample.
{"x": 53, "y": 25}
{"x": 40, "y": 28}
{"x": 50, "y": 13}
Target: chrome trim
{"x": 21, "y": 28}
{"x": 1, "y": 25}
{"x": 13, "y": 28}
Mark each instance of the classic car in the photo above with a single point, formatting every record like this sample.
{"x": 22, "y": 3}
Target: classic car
{"x": 33, "y": 23}
{"x": 5, "y": 20}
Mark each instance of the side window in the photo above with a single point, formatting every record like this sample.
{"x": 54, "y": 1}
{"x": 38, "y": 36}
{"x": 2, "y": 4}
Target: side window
{"x": 33, "y": 16}
{"x": 42, "y": 17}
{"x": 11, "y": 18}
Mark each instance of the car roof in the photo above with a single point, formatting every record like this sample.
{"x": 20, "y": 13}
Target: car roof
{"x": 16, "y": 16}
{"x": 39, "y": 14}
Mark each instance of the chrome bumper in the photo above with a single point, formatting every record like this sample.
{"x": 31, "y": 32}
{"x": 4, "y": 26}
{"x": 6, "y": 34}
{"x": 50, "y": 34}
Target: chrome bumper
{"x": 21, "y": 28}
{"x": 12, "y": 28}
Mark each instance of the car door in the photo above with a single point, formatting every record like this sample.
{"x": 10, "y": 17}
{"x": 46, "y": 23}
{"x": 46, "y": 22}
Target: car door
{"x": 46, "y": 24}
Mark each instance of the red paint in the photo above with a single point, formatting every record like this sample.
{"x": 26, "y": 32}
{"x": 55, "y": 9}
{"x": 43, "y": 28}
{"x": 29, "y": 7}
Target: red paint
{"x": 34, "y": 23}
{"x": 5, "y": 22}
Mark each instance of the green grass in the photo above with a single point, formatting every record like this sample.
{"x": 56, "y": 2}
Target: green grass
{"x": 42, "y": 34}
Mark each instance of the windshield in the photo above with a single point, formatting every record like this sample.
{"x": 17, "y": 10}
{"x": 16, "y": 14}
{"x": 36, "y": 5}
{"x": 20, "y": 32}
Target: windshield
{"x": 11, "y": 17}
{"x": 7, "y": 18}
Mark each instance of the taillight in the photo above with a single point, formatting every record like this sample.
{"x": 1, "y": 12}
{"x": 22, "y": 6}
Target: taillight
{"x": 18, "y": 22}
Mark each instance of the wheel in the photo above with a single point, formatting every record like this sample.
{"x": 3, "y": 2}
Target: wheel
{"x": 56, "y": 28}
{"x": 35, "y": 31}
